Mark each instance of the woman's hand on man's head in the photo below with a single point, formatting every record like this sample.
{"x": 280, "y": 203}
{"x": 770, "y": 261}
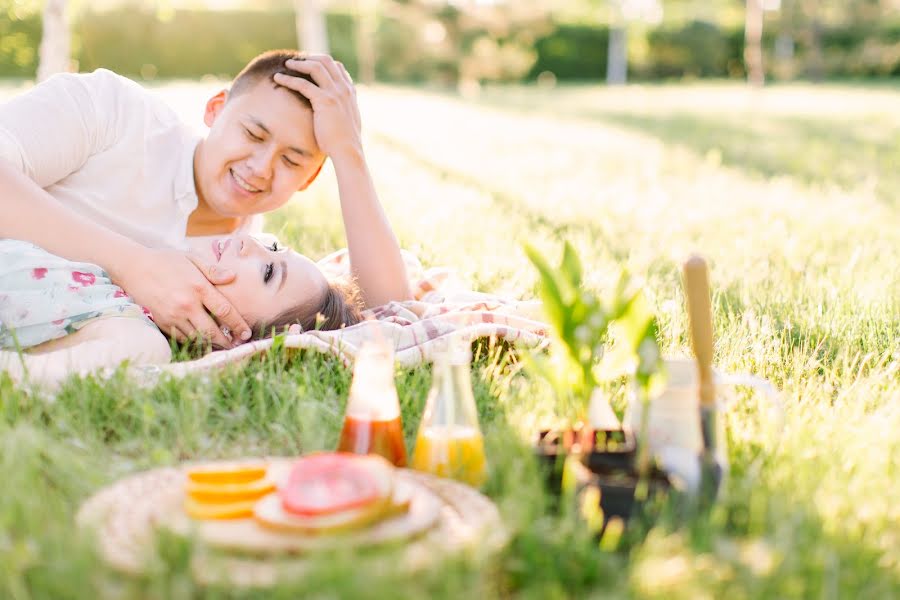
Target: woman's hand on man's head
{"x": 177, "y": 288}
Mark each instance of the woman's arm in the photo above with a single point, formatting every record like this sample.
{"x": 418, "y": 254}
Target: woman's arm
{"x": 102, "y": 343}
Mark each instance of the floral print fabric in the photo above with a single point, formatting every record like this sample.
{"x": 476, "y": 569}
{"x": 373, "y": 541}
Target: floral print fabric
{"x": 44, "y": 297}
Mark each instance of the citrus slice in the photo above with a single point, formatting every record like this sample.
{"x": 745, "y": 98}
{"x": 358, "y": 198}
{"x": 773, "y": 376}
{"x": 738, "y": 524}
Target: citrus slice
{"x": 270, "y": 513}
{"x": 218, "y": 510}
{"x": 229, "y": 492}
{"x": 332, "y": 483}
{"x": 227, "y": 473}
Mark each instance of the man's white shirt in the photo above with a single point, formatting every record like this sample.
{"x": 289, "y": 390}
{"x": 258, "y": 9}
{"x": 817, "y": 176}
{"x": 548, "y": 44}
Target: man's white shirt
{"x": 110, "y": 150}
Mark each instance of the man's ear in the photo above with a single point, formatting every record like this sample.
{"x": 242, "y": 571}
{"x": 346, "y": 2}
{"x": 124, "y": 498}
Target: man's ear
{"x": 312, "y": 177}
{"x": 214, "y": 106}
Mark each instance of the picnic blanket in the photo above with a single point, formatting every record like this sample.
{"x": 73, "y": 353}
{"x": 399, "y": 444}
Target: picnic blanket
{"x": 442, "y": 311}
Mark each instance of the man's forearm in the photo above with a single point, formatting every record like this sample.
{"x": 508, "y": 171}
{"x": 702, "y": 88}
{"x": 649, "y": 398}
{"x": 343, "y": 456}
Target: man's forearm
{"x": 29, "y": 213}
{"x": 374, "y": 252}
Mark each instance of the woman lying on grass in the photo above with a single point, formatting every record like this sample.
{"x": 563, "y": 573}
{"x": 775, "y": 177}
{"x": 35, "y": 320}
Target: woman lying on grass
{"x": 68, "y": 317}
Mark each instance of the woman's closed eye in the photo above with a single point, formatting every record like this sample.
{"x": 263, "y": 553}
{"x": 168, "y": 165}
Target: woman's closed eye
{"x": 269, "y": 271}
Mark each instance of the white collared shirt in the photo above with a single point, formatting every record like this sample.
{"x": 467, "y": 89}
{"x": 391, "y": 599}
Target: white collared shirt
{"x": 109, "y": 149}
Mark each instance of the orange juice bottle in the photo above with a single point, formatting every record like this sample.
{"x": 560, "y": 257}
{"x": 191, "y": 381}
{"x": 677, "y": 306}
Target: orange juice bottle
{"x": 449, "y": 441}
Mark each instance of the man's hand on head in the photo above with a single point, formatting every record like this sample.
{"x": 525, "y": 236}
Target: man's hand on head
{"x": 336, "y": 118}
{"x": 177, "y": 288}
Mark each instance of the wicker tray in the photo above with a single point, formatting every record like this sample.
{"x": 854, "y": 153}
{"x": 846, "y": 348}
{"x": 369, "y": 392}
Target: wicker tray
{"x": 445, "y": 518}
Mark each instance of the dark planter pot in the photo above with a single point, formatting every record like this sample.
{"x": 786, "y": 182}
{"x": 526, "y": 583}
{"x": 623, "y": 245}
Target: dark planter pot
{"x": 602, "y": 451}
{"x": 608, "y": 461}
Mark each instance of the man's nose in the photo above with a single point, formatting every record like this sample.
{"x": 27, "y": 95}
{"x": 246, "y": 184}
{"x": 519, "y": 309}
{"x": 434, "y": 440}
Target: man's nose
{"x": 260, "y": 163}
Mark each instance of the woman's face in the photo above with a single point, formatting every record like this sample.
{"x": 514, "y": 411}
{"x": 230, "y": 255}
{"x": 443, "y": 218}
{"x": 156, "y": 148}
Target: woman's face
{"x": 268, "y": 280}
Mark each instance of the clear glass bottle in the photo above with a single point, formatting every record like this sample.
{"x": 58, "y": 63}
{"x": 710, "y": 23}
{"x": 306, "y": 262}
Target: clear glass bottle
{"x": 372, "y": 422}
{"x": 449, "y": 442}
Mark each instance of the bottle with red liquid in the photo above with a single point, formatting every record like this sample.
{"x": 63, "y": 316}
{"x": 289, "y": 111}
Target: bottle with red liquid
{"x": 372, "y": 422}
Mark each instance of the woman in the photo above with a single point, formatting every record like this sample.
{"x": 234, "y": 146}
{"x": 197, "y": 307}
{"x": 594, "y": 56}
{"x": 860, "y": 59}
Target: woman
{"x": 67, "y": 316}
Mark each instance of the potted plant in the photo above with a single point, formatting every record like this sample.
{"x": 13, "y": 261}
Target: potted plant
{"x": 597, "y": 339}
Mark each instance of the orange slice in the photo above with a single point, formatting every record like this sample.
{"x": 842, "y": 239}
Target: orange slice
{"x": 229, "y": 492}
{"x": 218, "y": 510}
{"x": 227, "y": 473}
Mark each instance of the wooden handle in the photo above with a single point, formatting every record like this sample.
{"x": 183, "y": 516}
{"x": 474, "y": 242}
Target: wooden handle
{"x": 696, "y": 288}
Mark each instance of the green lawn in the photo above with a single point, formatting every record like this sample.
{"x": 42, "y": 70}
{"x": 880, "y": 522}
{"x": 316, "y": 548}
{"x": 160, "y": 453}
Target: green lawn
{"x": 792, "y": 195}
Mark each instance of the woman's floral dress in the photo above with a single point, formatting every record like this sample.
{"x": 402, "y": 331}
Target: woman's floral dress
{"x": 44, "y": 297}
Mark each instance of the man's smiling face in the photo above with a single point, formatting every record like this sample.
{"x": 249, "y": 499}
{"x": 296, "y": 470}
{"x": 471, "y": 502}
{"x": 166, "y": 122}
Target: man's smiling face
{"x": 260, "y": 150}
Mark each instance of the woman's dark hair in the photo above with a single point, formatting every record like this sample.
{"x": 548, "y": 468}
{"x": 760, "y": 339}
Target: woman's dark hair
{"x": 339, "y": 307}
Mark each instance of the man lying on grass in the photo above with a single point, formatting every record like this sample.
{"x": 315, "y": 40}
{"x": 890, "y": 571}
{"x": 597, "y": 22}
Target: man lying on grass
{"x": 95, "y": 169}
{"x": 65, "y": 317}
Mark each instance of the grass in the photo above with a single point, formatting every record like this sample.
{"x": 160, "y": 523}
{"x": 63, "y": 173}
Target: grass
{"x": 790, "y": 193}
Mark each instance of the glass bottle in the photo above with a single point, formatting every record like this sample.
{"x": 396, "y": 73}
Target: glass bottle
{"x": 372, "y": 422}
{"x": 449, "y": 442}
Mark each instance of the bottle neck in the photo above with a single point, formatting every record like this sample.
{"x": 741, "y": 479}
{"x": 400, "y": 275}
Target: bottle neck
{"x": 451, "y": 401}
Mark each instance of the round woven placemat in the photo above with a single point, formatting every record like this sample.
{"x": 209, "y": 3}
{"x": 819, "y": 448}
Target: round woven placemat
{"x": 127, "y": 516}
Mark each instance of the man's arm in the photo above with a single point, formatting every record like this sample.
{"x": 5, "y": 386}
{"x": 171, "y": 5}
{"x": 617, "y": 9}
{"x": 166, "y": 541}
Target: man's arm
{"x": 374, "y": 252}
{"x": 169, "y": 283}
{"x": 48, "y": 133}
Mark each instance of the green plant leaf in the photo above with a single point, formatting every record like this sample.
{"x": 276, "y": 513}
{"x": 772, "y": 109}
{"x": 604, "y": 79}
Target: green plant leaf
{"x": 571, "y": 269}
{"x": 549, "y": 292}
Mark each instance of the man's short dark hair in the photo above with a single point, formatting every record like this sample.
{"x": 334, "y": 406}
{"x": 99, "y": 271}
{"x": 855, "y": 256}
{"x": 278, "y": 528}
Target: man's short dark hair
{"x": 263, "y": 68}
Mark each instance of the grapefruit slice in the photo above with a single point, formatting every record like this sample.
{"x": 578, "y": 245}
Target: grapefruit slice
{"x": 336, "y": 493}
{"x": 227, "y": 473}
{"x": 270, "y": 513}
{"x": 333, "y": 483}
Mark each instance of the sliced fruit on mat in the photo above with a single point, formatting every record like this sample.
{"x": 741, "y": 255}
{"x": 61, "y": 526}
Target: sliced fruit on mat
{"x": 332, "y": 483}
{"x": 270, "y": 513}
{"x": 219, "y": 510}
{"x": 227, "y": 472}
{"x": 229, "y": 492}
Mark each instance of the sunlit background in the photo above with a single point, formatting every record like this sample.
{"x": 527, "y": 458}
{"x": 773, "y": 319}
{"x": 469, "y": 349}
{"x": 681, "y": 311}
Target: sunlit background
{"x": 468, "y": 42}
{"x": 762, "y": 133}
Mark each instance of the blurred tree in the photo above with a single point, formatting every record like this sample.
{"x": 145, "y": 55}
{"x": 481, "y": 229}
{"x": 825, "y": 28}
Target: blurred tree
{"x": 459, "y": 42}
{"x": 55, "y": 40}
{"x": 312, "y": 34}
{"x": 617, "y": 54}
{"x": 622, "y": 13}
{"x": 366, "y": 43}
{"x": 753, "y": 54}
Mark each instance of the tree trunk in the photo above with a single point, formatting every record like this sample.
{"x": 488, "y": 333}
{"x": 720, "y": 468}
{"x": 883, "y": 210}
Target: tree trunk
{"x": 617, "y": 56}
{"x": 816, "y": 63}
{"x": 54, "y": 51}
{"x": 753, "y": 57}
{"x": 366, "y": 48}
{"x": 312, "y": 35}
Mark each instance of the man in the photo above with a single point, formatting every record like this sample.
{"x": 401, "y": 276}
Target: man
{"x": 96, "y": 169}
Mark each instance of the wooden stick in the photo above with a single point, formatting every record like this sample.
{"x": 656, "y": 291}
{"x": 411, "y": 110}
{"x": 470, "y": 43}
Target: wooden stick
{"x": 696, "y": 287}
